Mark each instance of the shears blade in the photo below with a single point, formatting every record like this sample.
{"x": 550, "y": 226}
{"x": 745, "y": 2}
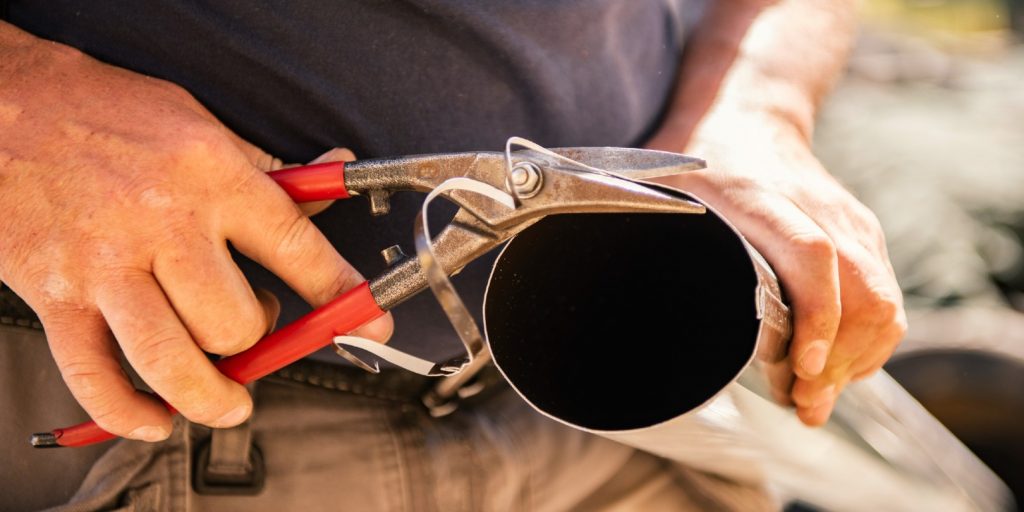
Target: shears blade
{"x": 633, "y": 163}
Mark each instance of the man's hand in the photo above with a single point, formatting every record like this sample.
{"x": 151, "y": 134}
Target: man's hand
{"x": 752, "y": 76}
{"x": 119, "y": 194}
{"x": 827, "y": 248}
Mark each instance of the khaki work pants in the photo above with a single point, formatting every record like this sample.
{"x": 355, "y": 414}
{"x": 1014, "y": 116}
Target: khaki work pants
{"x": 324, "y": 449}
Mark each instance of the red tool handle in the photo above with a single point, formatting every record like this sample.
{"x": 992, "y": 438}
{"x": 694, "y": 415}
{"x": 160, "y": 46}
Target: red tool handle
{"x": 315, "y": 182}
{"x": 348, "y": 312}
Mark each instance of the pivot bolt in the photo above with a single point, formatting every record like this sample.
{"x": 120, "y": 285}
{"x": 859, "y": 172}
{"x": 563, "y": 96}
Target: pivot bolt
{"x": 526, "y": 179}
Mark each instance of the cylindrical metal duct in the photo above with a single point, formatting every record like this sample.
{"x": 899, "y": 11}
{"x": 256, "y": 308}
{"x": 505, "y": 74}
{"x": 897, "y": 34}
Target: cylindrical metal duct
{"x": 650, "y": 330}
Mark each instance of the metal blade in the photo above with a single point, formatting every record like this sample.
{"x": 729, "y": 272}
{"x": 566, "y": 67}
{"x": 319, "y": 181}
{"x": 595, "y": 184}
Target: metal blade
{"x": 633, "y": 163}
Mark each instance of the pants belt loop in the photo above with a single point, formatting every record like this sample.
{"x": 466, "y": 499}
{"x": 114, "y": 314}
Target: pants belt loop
{"x": 230, "y": 463}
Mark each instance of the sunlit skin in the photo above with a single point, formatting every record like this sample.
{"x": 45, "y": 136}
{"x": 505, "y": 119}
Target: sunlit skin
{"x": 120, "y": 193}
{"x": 752, "y": 77}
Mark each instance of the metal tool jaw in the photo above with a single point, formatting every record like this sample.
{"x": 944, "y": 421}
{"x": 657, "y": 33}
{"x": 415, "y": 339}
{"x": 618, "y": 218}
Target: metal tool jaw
{"x": 564, "y": 180}
{"x": 499, "y": 195}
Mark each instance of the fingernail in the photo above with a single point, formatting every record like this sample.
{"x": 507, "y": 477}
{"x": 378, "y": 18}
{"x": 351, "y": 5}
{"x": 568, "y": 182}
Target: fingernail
{"x": 335, "y": 155}
{"x": 151, "y": 434}
{"x": 232, "y": 418}
{"x": 813, "y": 360}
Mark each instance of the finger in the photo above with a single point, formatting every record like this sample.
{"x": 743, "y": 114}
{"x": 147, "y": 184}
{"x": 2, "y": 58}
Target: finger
{"x": 271, "y": 307}
{"x": 160, "y": 349}
{"x": 210, "y": 295}
{"x": 816, "y": 416}
{"x": 810, "y": 278}
{"x": 810, "y": 393}
{"x": 87, "y": 357}
{"x": 780, "y": 378}
{"x": 805, "y": 258}
{"x": 847, "y": 349}
{"x": 815, "y": 399}
{"x": 287, "y": 243}
{"x": 873, "y": 362}
{"x": 867, "y": 372}
{"x": 873, "y": 320}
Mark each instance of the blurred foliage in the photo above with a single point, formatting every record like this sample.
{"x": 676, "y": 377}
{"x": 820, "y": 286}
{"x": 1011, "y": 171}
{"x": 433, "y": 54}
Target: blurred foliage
{"x": 948, "y": 16}
{"x": 973, "y": 27}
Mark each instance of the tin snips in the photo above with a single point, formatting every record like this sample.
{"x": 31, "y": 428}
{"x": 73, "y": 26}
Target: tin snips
{"x": 499, "y": 194}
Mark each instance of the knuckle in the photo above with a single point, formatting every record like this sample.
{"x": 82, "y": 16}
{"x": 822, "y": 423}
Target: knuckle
{"x": 344, "y": 279}
{"x": 297, "y": 242}
{"x": 815, "y": 246}
{"x": 871, "y": 227}
{"x": 90, "y": 386}
{"x": 65, "y": 53}
{"x": 899, "y": 323}
{"x": 248, "y": 183}
{"x": 86, "y": 379}
{"x": 885, "y": 310}
{"x": 173, "y": 90}
{"x": 867, "y": 218}
{"x": 200, "y": 145}
{"x": 146, "y": 191}
{"x": 56, "y": 292}
{"x": 233, "y": 335}
{"x": 895, "y": 328}
{"x": 290, "y": 235}
{"x": 155, "y": 351}
{"x": 187, "y": 391}
{"x": 738, "y": 181}
{"x": 899, "y": 331}
{"x": 203, "y": 147}
{"x": 873, "y": 224}
{"x": 52, "y": 297}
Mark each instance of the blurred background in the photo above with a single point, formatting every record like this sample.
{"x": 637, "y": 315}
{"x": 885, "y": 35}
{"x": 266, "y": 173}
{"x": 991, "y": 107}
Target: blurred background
{"x": 927, "y": 128}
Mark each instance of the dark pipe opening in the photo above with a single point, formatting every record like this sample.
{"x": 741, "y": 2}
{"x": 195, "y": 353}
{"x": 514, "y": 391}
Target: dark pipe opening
{"x": 622, "y": 321}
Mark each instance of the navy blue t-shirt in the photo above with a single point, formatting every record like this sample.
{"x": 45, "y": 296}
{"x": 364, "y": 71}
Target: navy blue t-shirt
{"x": 297, "y": 77}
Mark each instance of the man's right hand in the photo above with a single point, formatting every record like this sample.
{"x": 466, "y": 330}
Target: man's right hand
{"x": 119, "y": 194}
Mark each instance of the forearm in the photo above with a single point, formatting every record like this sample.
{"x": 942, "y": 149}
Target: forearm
{"x": 767, "y": 58}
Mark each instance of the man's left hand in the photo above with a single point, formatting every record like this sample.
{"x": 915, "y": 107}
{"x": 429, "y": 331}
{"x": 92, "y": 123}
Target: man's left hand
{"x": 827, "y": 248}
